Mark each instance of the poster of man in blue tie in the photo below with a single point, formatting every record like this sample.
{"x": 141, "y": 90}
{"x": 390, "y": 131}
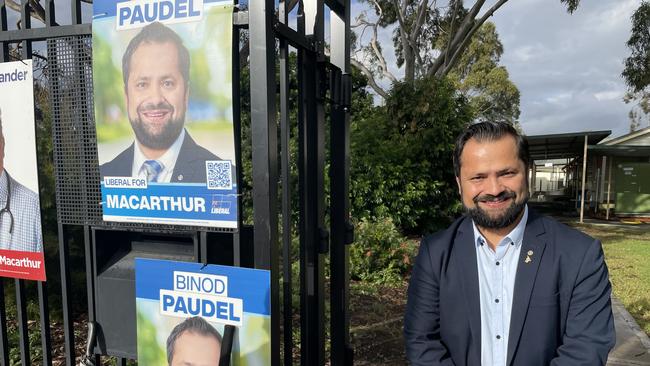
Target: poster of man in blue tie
{"x": 190, "y": 313}
{"x": 162, "y": 73}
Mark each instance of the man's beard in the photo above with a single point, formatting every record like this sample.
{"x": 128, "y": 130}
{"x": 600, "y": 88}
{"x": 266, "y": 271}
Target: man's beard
{"x": 505, "y": 219}
{"x": 161, "y": 140}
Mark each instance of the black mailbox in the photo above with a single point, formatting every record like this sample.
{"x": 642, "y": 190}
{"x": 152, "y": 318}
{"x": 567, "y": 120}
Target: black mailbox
{"x": 114, "y": 284}
{"x": 113, "y": 259}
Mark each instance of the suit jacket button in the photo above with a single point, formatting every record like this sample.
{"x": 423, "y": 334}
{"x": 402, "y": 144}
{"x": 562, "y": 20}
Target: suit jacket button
{"x": 180, "y": 177}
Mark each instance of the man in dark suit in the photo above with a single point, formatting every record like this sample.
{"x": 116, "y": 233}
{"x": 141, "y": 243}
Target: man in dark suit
{"x": 155, "y": 68}
{"x": 504, "y": 285}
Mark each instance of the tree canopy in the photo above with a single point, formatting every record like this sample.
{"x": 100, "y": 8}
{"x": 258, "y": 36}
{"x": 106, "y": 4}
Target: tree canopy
{"x": 637, "y": 67}
{"x": 418, "y": 26}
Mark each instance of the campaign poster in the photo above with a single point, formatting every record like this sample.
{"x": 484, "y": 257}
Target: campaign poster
{"x": 21, "y": 237}
{"x": 183, "y": 309}
{"x": 162, "y": 81}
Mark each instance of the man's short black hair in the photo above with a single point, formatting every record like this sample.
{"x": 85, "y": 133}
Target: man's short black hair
{"x": 195, "y": 325}
{"x": 490, "y": 131}
{"x": 156, "y": 32}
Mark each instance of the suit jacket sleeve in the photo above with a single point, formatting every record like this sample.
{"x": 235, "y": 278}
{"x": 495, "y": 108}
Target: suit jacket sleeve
{"x": 422, "y": 318}
{"x": 589, "y": 334}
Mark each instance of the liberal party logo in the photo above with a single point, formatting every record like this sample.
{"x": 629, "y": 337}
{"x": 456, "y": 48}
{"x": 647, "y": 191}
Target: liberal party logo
{"x": 220, "y": 205}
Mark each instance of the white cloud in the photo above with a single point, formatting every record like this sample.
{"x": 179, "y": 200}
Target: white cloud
{"x": 608, "y": 95}
{"x": 567, "y": 67}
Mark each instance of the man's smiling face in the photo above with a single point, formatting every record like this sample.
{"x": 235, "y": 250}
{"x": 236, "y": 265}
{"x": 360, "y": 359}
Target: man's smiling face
{"x": 156, "y": 94}
{"x": 492, "y": 182}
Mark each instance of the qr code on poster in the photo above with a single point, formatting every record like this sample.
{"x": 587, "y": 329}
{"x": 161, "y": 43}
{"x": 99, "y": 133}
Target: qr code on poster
{"x": 219, "y": 173}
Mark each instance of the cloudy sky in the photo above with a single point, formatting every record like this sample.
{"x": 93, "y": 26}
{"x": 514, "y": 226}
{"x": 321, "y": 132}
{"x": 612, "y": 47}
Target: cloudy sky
{"x": 567, "y": 67}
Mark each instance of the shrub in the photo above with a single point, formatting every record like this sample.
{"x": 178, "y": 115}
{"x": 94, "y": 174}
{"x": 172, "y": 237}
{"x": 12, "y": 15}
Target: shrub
{"x": 401, "y": 157}
{"x": 380, "y": 254}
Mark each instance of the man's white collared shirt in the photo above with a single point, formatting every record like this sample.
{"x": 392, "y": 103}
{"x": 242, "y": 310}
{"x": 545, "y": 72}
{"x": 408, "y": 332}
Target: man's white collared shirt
{"x": 496, "y": 275}
{"x": 168, "y": 160}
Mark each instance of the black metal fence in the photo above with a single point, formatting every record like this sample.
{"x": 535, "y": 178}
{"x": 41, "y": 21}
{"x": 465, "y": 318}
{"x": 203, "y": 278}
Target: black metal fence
{"x": 323, "y": 101}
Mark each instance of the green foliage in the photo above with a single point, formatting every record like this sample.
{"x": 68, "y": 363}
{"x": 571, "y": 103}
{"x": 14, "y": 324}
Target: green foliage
{"x": 637, "y": 66}
{"x": 401, "y": 156}
{"x": 380, "y": 253}
{"x": 108, "y": 88}
{"x": 477, "y": 74}
{"x": 149, "y": 351}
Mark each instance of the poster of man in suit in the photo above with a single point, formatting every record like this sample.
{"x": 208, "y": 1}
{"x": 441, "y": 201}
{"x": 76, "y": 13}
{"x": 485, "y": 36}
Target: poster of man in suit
{"x": 162, "y": 75}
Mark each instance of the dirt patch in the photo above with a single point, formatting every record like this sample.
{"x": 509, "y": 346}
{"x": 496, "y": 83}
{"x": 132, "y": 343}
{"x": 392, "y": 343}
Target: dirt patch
{"x": 376, "y": 323}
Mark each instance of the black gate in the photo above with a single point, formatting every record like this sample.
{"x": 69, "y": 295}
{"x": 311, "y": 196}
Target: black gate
{"x": 323, "y": 87}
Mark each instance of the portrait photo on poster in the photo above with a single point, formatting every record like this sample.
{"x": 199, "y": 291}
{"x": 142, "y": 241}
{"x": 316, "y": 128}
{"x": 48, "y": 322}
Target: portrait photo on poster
{"x": 163, "y": 112}
{"x": 21, "y": 236}
{"x": 193, "y": 314}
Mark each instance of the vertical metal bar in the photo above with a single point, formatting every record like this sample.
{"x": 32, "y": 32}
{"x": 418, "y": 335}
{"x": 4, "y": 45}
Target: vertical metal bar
{"x": 340, "y": 226}
{"x": 50, "y": 18}
{"x": 584, "y": 177}
{"x": 265, "y": 164}
{"x": 313, "y": 240}
{"x": 76, "y": 12}
{"x": 4, "y": 27}
{"x": 4, "y": 344}
{"x": 68, "y": 329}
{"x": 203, "y": 245}
{"x": 236, "y": 120}
{"x": 45, "y": 323}
{"x": 90, "y": 272}
{"x": 21, "y": 301}
{"x": 26, "y": 23}
{"x": 21, "y": 312}
{"x": 285, "y": 132}
{"x": 609, "y": 186}
{"x": 313, "y": 236}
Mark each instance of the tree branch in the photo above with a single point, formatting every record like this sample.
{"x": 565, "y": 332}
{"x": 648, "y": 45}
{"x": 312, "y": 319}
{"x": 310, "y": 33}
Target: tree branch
{"x": 468, "y": 38}
{"x": 451, "y": 29}
{"x": 421, "y": 16}
{"x": 371, "y": 79}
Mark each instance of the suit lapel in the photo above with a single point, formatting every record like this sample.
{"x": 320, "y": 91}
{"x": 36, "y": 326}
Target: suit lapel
{"x": 465, "y": 258}
{"x": 534, "y": 241}
{"x": 184, "y": 157}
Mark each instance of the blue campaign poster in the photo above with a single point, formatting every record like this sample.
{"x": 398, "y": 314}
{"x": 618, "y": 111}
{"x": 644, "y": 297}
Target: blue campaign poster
{"x": 162, "y": 74}
{"x": 183, "y": 308}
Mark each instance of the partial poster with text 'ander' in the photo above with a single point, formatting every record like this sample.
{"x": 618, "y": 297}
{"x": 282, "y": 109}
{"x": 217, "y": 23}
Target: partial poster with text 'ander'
{"x": 162, "y": 73}
{"x": 21, "y": 236}
{"x": 194, "y": 314}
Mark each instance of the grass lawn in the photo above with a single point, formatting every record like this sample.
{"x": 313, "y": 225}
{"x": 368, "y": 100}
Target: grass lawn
{"x": 627, "y": 253}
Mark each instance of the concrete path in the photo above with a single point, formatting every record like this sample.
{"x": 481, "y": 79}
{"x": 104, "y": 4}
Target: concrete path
{"x": 632, "y": 344}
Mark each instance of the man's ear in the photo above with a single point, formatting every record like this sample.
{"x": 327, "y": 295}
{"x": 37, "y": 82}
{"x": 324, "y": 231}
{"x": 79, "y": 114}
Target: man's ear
{"x": 460, "y": 190}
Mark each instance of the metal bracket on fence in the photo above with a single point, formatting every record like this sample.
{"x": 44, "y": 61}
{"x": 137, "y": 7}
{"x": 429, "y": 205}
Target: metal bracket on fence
{"x": 88, "y": 359}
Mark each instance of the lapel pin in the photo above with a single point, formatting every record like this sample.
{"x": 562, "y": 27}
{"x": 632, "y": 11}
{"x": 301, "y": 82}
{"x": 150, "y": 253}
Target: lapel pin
{"x": 528, "y": 260}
